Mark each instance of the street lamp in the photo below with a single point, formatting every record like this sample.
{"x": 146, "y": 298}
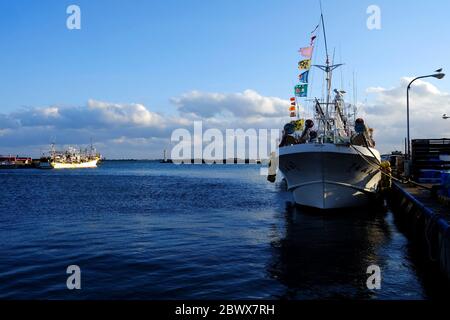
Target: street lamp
{"x": 439, "y": 75}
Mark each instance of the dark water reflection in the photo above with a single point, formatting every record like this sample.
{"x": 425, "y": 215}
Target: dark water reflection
{"x": 326, "y": 256}
{"x": 143, "y": 230}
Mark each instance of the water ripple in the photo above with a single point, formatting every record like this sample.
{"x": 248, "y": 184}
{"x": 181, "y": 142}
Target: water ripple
{"x": 143, "y": 230}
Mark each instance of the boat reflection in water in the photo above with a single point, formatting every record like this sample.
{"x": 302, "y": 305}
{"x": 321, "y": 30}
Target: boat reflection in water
{"x": 327, "y": 256}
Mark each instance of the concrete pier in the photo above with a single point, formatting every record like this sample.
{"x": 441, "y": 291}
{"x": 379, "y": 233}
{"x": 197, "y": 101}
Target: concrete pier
{"x": 426, "y": 219}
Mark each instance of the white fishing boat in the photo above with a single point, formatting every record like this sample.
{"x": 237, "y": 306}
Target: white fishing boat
{"x": 82, "y": 164}
{"x": 330, "y": 176}
{"x": 329, "y": 160}
{"x": 71, "y": 159}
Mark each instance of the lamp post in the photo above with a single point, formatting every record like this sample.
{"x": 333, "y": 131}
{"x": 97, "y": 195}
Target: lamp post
{"x": 438, "y": 75}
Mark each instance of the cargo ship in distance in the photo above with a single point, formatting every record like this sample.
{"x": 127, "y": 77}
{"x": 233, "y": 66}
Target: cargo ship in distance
{"x": 71, "y": 158}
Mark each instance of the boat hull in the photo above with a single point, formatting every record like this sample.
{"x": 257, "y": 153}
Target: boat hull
{"x": 81, "y": 165}
{"x": 328, "y": 176}
{"x": 45, "y": 165}
{"x": 8, "y": 166}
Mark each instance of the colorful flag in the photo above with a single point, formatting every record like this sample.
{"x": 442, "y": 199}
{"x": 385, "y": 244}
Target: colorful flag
{"x": 293, "y": 108}
{"x": 293, "y": 103}
{"x": 304, "y": 77}
{"x": 301, "y": 90}
{"x": 306, "y": 52}
{"x": 292, "y": 99}
{"x": 293, "y": 114}
{"x": 313, "y": 38}
{"x": 299, "y": 125}
{"x": 304, "y": 64}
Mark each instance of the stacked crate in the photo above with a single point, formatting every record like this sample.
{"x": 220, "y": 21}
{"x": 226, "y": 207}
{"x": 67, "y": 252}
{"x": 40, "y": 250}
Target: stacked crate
{"x": 430, "y": 157}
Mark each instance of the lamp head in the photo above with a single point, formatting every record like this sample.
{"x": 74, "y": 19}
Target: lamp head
{"x": 439, "y": 75}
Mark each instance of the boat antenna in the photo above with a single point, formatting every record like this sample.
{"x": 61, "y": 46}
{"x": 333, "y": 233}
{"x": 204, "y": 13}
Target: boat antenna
{"x": 91, "y": 152}
{"x": 354, "y": 92}
{"x": 52, "y": 150}
{"x": 324, "y": 33}
{"x": 328, "y": 69}
{"x": 342, "y": 74}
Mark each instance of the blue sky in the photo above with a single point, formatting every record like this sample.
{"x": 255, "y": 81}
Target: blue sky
{"x": 148, "y": 52}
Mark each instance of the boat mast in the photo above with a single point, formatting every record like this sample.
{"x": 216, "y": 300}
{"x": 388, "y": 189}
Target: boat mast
{"x": 327, "y": 62}
{"x": 328, "y": 69}
{"x": 52, "y": 151}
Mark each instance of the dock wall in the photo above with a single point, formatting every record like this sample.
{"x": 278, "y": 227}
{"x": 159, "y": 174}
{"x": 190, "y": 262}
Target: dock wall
{"x": 423, "y": 222}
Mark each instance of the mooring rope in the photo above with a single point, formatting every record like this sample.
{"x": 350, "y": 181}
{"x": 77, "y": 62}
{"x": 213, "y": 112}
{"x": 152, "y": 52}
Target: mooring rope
{"x": 432, "y": 222}
{"x": 378, "y": 167}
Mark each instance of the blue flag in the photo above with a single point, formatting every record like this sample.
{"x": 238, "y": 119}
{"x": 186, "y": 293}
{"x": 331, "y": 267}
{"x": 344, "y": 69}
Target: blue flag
{"x": 304, "y": 77}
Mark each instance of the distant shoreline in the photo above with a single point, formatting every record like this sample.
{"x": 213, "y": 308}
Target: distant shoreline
{"x": 192, "y": 161}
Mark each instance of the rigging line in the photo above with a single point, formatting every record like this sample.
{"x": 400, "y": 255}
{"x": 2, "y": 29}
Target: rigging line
{"x": 334, "y": 55}
{"x": 419, "y": 185}
{"x": 387, "y": 174}
{"x": 354, "y": 95}
{"x": 356, "y": 91}
{"x": 332, "y": 64}
{"x": 378, "y": 165}
{"x": 375, "y": 165}
{"x": 313, "y": 58}
{"x": 342, "y": 73}
{"x": 364, "y": 156}
{"x": 324, "y": 76}
{"x": 370, "y": 150}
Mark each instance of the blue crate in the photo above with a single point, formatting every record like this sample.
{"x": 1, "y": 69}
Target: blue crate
{"x": 445, "y": 183}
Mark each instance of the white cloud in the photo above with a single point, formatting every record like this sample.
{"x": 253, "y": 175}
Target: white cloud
{"x": 125, "y": 114}
{"x": 51, "y": 112}
{"x": 387, "y": 113}
{"x": 126, "y": 130}
{"x": 31, "y": 130}
{"x": 132, "y": 129}
{"x": 248, "y": 104}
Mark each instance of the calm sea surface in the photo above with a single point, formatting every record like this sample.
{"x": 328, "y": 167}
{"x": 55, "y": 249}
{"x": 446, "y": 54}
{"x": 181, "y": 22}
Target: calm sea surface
{"x": 145, "y": 230}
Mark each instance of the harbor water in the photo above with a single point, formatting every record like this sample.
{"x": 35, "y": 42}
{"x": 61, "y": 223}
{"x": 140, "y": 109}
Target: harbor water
{"x": 145, "y": 230}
